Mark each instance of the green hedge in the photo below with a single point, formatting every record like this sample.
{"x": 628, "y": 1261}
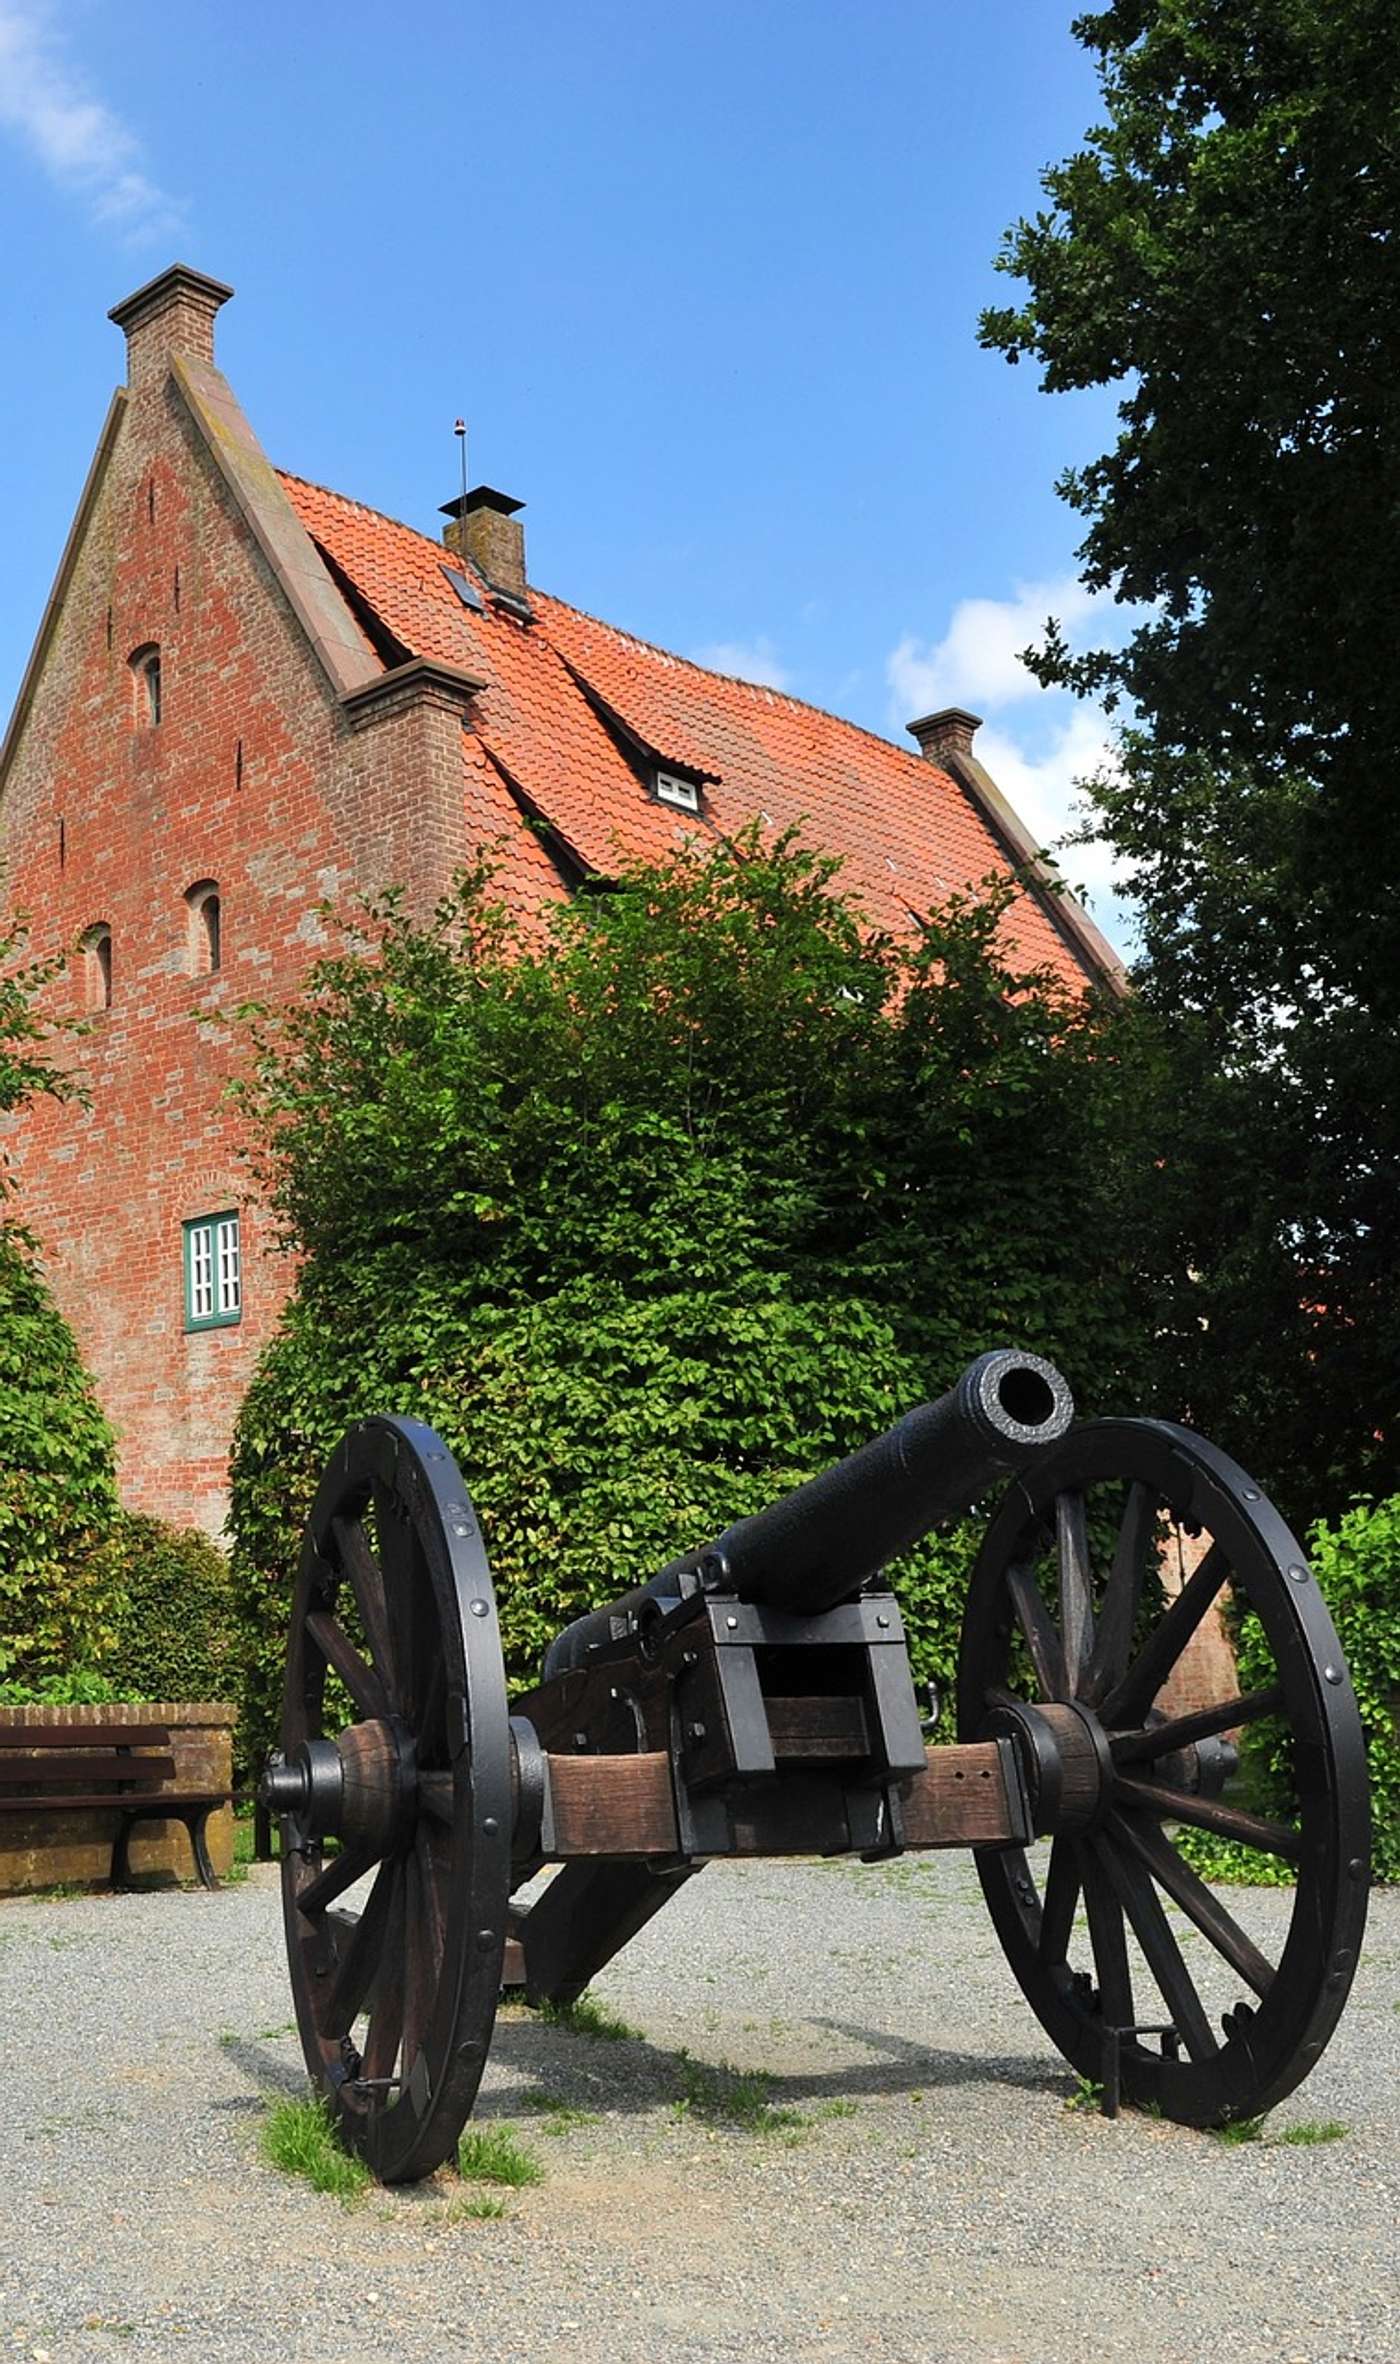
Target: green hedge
{"x": 57, "y": 1485}
{"x": 175, "y": 1633}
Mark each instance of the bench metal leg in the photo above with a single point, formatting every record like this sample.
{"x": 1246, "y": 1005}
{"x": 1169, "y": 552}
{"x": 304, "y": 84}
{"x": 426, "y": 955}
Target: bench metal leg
{"x": 121, "y": 1867}
{"x": 195, "y": 1825}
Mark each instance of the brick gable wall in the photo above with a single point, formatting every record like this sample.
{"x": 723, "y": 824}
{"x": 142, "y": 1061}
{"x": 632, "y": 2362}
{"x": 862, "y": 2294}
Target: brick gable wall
{"x": 257, "y": 777}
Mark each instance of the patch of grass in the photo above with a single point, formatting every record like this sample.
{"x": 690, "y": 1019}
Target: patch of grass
{"x": 587, "y": 2017}
{"x": 300, "y": 2138}
{"x": 1238, "y": 2130}
{"x": 838, "y": 2108}
{"x": 1311, "y": 2130}
{"x": 726, "y": 2096}
{"x": 493, "y": 2154}
{"x": 475, "y": 2205}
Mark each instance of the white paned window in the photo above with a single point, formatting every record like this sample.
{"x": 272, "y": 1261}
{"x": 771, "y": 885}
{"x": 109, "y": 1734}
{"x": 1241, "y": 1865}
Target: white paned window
{"x": 671, "y": 789}
{"x": 213, "y": 1272}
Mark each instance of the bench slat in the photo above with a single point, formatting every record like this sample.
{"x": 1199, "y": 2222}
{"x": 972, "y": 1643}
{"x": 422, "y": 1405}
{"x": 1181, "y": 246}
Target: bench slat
{"x": 52, "y": 1772}
{"x": 84, "y": 1736}
{"x": 148, "y": 1804}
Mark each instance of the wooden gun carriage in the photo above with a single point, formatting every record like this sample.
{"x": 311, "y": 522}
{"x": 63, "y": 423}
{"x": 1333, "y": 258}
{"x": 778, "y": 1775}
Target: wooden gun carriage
{"x": 755, "y": 1698}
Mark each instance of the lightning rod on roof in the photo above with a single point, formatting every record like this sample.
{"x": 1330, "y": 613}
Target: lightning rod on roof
{"x": 460, "y": 431}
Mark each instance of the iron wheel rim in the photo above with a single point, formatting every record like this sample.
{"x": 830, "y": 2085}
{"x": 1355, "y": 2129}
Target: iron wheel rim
{"x": 434, "y": 1922}
{"x": 1275, "y": 2036}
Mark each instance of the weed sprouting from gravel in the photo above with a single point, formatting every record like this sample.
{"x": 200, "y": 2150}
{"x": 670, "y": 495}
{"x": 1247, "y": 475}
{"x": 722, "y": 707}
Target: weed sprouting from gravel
{"x": 1087, "y": 2094}
{"x": 476, "y": 2205}
{"x": 1313, "y": 2130}
{"x": 726, "y": 2096}
{"x": 559, "y": 2115}
{"x": 587, "y": 2017}
{"x": 300, "y": 2138}
{"x": 1239, "y": 2130}
{"x": 493, "y": 2154}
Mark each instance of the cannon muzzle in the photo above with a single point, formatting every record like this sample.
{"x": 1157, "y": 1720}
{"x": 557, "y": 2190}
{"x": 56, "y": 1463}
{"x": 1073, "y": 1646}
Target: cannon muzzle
{"x": 820, "y": 1543}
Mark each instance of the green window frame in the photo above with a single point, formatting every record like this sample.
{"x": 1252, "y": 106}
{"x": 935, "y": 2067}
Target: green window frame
{"x": 213, "y": 1262}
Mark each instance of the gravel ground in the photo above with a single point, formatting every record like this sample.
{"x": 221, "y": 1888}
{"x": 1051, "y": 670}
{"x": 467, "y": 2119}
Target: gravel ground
{"x": 956, "y": 2208}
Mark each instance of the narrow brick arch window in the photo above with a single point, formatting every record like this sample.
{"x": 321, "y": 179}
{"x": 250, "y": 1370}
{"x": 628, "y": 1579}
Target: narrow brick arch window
{"x": 145, "y": 676}
{"x": 206, "y": 926}
{"x": 97, "y": 966}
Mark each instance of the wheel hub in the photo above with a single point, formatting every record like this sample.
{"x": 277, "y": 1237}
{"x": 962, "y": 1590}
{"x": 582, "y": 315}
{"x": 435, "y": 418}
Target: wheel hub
{"x": 361, "y": 1788}
{"x": 1064, "y": 1758}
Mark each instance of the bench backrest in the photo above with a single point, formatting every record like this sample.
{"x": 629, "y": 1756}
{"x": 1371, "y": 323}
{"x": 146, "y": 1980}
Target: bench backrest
{"x": 48, "y": 1757}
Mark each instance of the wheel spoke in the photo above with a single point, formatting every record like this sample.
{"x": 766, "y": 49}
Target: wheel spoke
{"x": 1123, "y": 1592}
{"x": 340, "y": 1873}
{"x": 1187, "y": 1889}
{"x": 1042, "y": 1641}
{"x": 1161, "y": 1952}
{"x": 398, "y": 1559}
{"x": 1128, "y": 1701}
{"x": 1228, "y": 1822}
{"x": 1076, "y": 1597}
{"x": 417, "y": 1983}
{"x": 1106, "y": 1936}
{"x": 435, "y": 1796}
{"x": 432, "y": 1850}
{"x": 354, "y": 1973}
{"x": 1058, "y": 1903}
{"x": 367, "y": 1584}
{"x": 1161, "y": 1740}
{"x": 360, "y": 1680}
{"x": 432, "y": 1739}
{"x": 386, "y": 2019}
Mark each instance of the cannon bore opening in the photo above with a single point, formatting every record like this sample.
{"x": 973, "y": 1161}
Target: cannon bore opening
{"x": 1026, "y": 1396}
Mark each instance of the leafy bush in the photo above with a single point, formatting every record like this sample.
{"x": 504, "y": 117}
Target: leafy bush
{"x": 175, "y": 1635}
{"x": 57, "y": 1485}
{"x": 658, "y": 1217}
{"x": 80, "y": 1688}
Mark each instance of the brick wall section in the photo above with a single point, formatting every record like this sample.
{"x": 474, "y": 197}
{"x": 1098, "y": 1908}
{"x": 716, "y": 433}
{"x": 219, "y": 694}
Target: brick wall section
{"x": 256, "y": 776}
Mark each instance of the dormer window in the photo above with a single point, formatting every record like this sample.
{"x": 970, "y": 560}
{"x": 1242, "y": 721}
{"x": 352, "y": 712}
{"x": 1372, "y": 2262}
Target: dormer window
{"x": 672, "y": 789}
{"x": 97, "y": 966}
{"x": 145, "y": 675}
{"x": 205, "y": 926}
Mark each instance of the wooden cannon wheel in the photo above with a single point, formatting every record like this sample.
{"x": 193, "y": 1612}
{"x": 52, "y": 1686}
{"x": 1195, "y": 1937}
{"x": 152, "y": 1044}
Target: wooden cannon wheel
{"x": 1093, "y": 1577}
{"x": 395, "y": 2007}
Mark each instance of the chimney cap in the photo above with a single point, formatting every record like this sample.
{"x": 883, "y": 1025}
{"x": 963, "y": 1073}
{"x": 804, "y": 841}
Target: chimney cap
{"x": 481, "y": 496}
{"x": 178, "y": 280}
{"x": 950, "y": 731}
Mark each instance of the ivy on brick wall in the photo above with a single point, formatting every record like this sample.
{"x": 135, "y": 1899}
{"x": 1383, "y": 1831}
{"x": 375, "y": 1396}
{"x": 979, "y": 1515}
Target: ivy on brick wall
{"x": 57, "y": 1490}
{"x": 656, "y": 1218}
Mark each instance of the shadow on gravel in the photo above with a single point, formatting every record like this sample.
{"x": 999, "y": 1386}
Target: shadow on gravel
{"x": 635, "y": 2076}
{"x": 277, "y": 2078}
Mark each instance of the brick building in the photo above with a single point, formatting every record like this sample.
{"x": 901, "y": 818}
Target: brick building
{"x": 249, "y": 695}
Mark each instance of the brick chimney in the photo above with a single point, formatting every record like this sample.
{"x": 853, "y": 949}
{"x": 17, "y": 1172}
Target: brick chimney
{"x": 484, "y": 527}
{"x": 171, "y": 314}
{"x": 950, "y": 731}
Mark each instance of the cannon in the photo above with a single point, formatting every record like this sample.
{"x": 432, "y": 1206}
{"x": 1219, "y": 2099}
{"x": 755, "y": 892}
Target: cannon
{"x": 755, "y": 1698}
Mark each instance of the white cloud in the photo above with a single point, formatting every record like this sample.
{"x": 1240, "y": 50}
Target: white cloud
{"x": 752, "y": 660}
{"x": 977, "y": 662}
{"x": 1052, "y": 741}
{"x": 79, "y": 142}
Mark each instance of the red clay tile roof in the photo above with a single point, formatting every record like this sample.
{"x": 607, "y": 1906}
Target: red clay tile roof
{"x": 907, "y": 833}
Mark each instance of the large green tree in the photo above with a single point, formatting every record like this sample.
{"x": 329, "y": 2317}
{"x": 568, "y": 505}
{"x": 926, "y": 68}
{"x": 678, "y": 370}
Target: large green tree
{"x": 660, "y": 1216}
{"x": 1223, "y": 250}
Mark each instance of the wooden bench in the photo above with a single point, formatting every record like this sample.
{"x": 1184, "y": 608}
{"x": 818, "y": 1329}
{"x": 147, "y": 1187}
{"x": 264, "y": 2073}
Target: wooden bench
{"x": 74, "y": 1768}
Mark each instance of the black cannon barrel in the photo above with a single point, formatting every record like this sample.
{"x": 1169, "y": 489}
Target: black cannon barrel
{"x": 818, "y": 1544}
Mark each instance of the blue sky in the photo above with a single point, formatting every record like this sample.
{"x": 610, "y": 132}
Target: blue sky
{"x": 704, "y": 279}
